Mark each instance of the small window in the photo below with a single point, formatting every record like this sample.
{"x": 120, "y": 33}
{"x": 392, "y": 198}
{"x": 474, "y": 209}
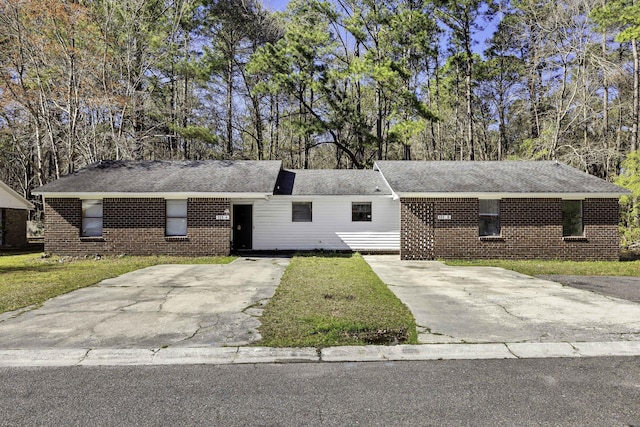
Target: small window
{"x": 572, "y": 218}
{"x": 361, "y": 211}
{"x": 489, "y": 219}
{"x": 2, "y": 226}
{"x": 91, "y": 218}
{"x": 301, "y": 211}
{"x": 176, "y": 218}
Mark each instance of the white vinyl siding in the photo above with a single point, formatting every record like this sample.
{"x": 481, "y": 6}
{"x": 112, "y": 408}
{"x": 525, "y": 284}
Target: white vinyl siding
{"x": 332, "y": 227}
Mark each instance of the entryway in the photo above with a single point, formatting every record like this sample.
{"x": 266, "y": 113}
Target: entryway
{"x": 242, "y": 227}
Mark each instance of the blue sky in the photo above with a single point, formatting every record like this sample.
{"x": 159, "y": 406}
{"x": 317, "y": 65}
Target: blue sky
{"x": 275, "y": 4}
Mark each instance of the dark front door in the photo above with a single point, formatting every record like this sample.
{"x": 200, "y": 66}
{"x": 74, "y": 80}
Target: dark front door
{"x": 242, "y": 227}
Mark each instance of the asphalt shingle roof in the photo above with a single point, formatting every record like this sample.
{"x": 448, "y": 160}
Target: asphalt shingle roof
{"x": 491, "y": 177}
{"x": 159, "y": 176}
{"x": 327, "y": 182}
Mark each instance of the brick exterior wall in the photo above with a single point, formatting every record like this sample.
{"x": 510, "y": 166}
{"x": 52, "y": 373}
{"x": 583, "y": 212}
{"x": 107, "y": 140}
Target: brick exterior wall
{"x": 136, "y": 226}
{"x": 14, "y": 228}
{"x": 530, "y": 229}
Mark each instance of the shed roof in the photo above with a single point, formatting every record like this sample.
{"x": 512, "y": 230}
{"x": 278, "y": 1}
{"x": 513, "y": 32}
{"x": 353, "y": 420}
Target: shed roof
{"x": 331, "y": 182}
{"x": 161, "y": 176}
{"x": 494, "y": 177}
{"x": 12, "y": 200}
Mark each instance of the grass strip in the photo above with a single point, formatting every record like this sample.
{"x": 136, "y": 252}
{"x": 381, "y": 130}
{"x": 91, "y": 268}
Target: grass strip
{"x": 568, "y": 268}
{"x": 29, "y": 279}
{"x": 327, "y": 301}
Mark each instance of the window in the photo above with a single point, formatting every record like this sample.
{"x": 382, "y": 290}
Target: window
{"x": 301, "y": 211}
{"x": 572, "y": 218}
{"x": 361, "y": 211}
{"x": 489, "y": 220}
{"x": 2, "y": 225}
{"x": 176, "y": 218}
{"x": 91, "y": 218}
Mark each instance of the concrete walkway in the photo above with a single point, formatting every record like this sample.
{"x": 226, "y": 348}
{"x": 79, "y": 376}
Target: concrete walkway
{"x": 494, "y": 305}
{"x": 155, "y": 307}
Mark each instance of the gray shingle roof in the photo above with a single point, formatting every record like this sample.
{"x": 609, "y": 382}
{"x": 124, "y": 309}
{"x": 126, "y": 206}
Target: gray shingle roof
{"x": 305, "y": 182}
{"x": 542, "y": 177}
{"x": 212, "y": 176}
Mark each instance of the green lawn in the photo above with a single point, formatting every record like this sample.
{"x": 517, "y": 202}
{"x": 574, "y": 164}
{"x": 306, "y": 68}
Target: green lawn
{"x": 29, "y": 279}
{"x": 331, "y": 300}
{"x": 571, "y": 268}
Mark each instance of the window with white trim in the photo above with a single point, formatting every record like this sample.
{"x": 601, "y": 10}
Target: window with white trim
{"x": 572, "y": 224}
{"x": 301, "y": 211}
{"x": 91, "y": 218}
{"x": 2, "y": 225}
{"x": 176, "y": 218}
{"x": 489, "y": 218}
{"x": 361, "y": 211}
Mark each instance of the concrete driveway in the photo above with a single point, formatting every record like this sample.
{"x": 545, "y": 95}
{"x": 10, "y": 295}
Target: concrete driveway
{"x": 487, "y": 304}
{"x": 160, "y": 306}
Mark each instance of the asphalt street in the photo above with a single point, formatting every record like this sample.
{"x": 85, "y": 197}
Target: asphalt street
{"x": 586, "y": 392}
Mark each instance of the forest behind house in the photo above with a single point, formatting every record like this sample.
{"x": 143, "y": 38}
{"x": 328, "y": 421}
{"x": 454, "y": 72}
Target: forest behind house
{"x": 324, "y": 84}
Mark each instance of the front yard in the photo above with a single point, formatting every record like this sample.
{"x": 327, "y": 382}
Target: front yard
{"x": 321, "y": 300}
{"x": 29, "y": 279}
{"x": 331, "y": 300}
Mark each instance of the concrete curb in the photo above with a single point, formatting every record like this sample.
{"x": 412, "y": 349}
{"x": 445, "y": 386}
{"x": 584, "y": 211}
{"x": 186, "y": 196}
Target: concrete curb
{"x": 250, "y": 355}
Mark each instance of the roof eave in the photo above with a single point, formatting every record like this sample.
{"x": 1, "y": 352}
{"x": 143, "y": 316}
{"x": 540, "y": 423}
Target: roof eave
{"x": 21, "y": 202}
{"x": 508, "y": 195}
{"x": 158, "y": 195}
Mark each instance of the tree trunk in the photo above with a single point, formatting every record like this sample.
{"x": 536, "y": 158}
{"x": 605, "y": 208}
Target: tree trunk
{"x": 468, "y": 92}
{"x": 636, "y": 96}
{"x": 229, "y": 103}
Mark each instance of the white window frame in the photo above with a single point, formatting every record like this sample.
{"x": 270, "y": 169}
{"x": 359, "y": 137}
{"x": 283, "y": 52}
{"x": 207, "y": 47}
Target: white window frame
{"x": 489, "y": 213}
{"x": 299, "y": 212}
{"x": 92, "y": 218}
{"x": 2, "y": 225}
{"x": 175, "y": 218}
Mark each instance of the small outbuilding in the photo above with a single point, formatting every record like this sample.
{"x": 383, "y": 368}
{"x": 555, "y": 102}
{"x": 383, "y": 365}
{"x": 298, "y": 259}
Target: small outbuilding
{"x": 421, "y": 210}
{"x": 14, "y": 213}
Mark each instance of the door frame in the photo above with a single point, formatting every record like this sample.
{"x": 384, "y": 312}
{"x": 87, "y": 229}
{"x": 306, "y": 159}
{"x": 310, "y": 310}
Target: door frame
{"x": 234, "y": 225}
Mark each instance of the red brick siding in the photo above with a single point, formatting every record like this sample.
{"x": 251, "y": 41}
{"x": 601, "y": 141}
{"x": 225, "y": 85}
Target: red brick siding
{"x": 14, "y": 228}
{"x": 136, "y": 226}
{"x": 530, "y": 229}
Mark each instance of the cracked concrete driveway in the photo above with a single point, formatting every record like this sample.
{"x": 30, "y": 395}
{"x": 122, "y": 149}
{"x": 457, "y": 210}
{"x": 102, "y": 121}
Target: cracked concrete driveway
{"x": 164, "y": 305}
{"x": 487, "y": 304}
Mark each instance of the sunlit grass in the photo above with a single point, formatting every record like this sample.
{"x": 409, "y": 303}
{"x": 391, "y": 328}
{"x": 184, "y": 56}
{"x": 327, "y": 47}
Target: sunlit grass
{"x": 331, "y": 300}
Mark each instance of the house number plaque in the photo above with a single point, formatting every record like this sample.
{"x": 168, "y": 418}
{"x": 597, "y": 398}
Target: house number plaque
{"x": 444, "y": 217}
